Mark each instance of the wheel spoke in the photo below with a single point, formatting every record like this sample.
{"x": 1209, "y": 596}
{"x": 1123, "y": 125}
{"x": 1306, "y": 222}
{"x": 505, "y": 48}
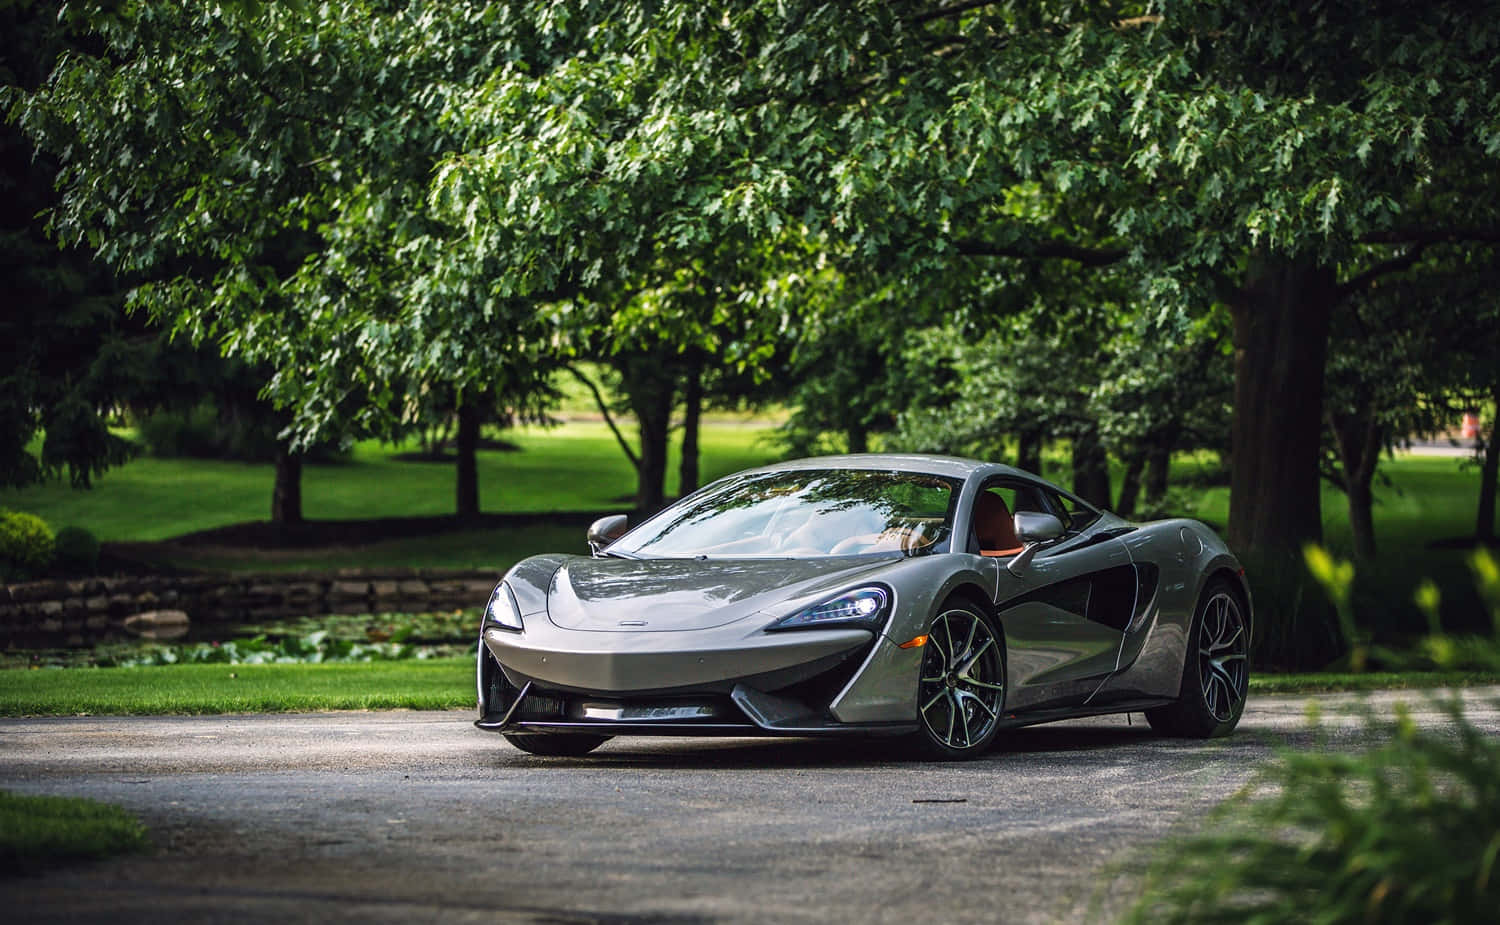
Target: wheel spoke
{"x": 935, "y": 698}
{"x": 963, "y": 670}
{"x": 962, "y": 695}
{"x": 932, "y": 640}
{"x": 975, "y": 682}
{"x": 969, "y": 642}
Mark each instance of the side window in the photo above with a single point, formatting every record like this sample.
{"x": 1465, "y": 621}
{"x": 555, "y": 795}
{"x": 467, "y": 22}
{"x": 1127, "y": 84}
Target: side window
{"x": 1076, "y": 516}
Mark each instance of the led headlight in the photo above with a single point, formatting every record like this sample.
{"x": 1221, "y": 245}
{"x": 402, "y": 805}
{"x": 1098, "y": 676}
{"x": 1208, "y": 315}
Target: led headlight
{"x": 864, "y": 607}
{"x": 502, "y": 609}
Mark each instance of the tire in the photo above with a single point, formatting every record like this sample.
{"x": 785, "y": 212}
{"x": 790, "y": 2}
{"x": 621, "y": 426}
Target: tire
{"x": 961, "y": 684}
{"x": 556, "y": 745}
{"x": 1215, "y": 671}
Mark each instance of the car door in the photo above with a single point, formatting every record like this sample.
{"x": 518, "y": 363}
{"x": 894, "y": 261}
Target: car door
{"x": 1066, "y": 612}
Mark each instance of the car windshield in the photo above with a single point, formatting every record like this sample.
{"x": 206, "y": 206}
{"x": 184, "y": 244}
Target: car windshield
{"x": 799, "y": 512}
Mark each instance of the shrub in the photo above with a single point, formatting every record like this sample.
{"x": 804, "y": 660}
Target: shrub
{"x": 26, "y": 546}
{"x": 207, "y": 431}
{"x": 1407, "y": 832}
{"x": 76, "y": 551}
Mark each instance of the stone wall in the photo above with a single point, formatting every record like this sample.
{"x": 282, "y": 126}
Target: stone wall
{"x": 79, "y": 612}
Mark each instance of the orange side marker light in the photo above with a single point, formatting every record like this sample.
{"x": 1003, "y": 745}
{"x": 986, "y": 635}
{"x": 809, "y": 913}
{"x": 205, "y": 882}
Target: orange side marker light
{"x": 916, "y": 643}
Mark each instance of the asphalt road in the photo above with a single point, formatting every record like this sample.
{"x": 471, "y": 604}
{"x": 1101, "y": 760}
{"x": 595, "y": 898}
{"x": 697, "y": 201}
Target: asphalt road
{"x": 418, "y": 817}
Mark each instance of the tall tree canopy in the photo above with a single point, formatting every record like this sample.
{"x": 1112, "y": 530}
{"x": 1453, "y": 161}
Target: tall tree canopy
{"x": 1275, "y": 159}
{"x": 376, "y": 194}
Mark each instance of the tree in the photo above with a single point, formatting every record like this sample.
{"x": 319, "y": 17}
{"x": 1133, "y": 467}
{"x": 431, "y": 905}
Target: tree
{"x": 67, "y": 352}
{"x": 1276, "y": 160}
{"x": 262, "y": 169}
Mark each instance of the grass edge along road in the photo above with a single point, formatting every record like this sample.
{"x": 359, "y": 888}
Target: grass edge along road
{"x": 39, "y": 832}
{"x": 427, "y": 684}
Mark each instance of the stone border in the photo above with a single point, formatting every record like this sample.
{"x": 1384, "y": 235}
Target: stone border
{"x": 80, "y": 612}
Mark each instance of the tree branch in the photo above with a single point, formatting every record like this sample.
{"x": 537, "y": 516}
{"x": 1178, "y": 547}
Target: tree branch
{"x": 1395, "y": 265}
{"x": 1478, "y": 235}
{"x": 608, "y": 418}
{"x": 1047, "y": 250}
{"x": 952, "y": 9}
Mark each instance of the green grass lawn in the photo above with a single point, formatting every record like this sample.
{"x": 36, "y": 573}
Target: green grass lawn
{"x": 576, "y": 467}
{"x": 433, "y": 684}
{"x": 37, "y": 832}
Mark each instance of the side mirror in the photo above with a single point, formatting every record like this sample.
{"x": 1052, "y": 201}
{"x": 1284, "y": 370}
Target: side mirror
{"x": 1036, "y": 527}
{"x": 1033, "y": 529}
{"x": 606, "y": 530}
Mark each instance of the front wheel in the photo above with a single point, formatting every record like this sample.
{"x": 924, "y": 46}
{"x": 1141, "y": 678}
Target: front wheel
{"x": 1216, "y": 672}
{"x": 556, "y": 745}
{"x": 961, "y": 688}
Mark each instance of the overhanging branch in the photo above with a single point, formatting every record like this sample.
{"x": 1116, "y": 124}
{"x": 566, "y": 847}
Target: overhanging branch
{"x": 608, "y": 418}
{"x": 1386, "y": 267}
{"x": 1476, "y": 235}
{"x": 952, "y": 9}
{"x": 1045, "y": 250}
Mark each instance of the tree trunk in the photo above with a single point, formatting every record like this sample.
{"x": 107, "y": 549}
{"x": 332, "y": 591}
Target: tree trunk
{"x": 1029, "y": 451}
{"x": 1158, "y": 468}
{"x": 1359, "y": 439}
{"x": 1130, "y": 486}
{"x": 1484, "y": 528}
{"x": 651, "y": 390}
{"x": 1091, "y": 469}
{"x": 1281, "y": 325}
{"x": 286, "y": 494}
{"x": 858, "y": 437}
{"x": 1281, "y": 319}
{"x": 467, "y": 445}
{"x": 692, "y": 414}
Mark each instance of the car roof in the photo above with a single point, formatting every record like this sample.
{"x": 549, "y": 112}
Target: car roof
{"x": 952, "y": 466}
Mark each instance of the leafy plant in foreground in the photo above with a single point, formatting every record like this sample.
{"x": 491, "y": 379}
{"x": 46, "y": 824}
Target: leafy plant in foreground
{"x": 1408, "y": 832}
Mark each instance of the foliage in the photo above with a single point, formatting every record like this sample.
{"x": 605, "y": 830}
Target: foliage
{"x": 313, "y": 649}
{"x": 1337, "y": 579}
{"x": 222, "y": 429}
{"x": 1408, "y": 832}
{"x": 76, "y": 551}
{"x": 26, "y": 545}
{"x": 272, "y": 161}
{"x": 38, "y": 832}
{"x": 67, "y": 352}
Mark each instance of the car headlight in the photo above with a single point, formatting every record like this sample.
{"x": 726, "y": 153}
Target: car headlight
{"x": 864, "y": 607}
{"x": 502, "y": 609}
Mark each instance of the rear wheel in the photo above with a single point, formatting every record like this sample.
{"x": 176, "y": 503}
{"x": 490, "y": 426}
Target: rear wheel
{"x": 1216, "y": 672}
{"x": 556, "y": 745}
{"x": 961, "y": 688}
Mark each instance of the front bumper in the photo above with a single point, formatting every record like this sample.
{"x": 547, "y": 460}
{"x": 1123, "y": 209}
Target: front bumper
{"x": 677, "y": 683}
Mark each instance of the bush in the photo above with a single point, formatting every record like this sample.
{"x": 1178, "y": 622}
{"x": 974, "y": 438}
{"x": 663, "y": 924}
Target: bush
{"x": 1408, "y": 832}
{"x": 76, "y": 551}
{"x": 207, "y": 431}
{"x": 173, "y": 434}
{"x": 26, "y": 546}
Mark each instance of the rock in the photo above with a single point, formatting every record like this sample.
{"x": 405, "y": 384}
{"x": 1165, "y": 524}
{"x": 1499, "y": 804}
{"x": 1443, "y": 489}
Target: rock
{"x": 158, "y": 624}
{"x": 347, "y": 589}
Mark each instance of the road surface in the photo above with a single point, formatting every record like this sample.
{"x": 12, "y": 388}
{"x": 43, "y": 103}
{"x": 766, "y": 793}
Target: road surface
{"x": 419, "y": 817}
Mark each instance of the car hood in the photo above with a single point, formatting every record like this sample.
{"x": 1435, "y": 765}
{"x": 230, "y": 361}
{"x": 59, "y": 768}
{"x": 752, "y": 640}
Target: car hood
{"x": 656, "y": 595}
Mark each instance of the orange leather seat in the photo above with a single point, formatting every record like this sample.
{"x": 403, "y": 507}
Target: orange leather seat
{"x": 993, "y": 526}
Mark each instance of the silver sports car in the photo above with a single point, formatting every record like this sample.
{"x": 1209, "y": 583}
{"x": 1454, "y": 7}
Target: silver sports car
{"x": 937, "y": 598}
